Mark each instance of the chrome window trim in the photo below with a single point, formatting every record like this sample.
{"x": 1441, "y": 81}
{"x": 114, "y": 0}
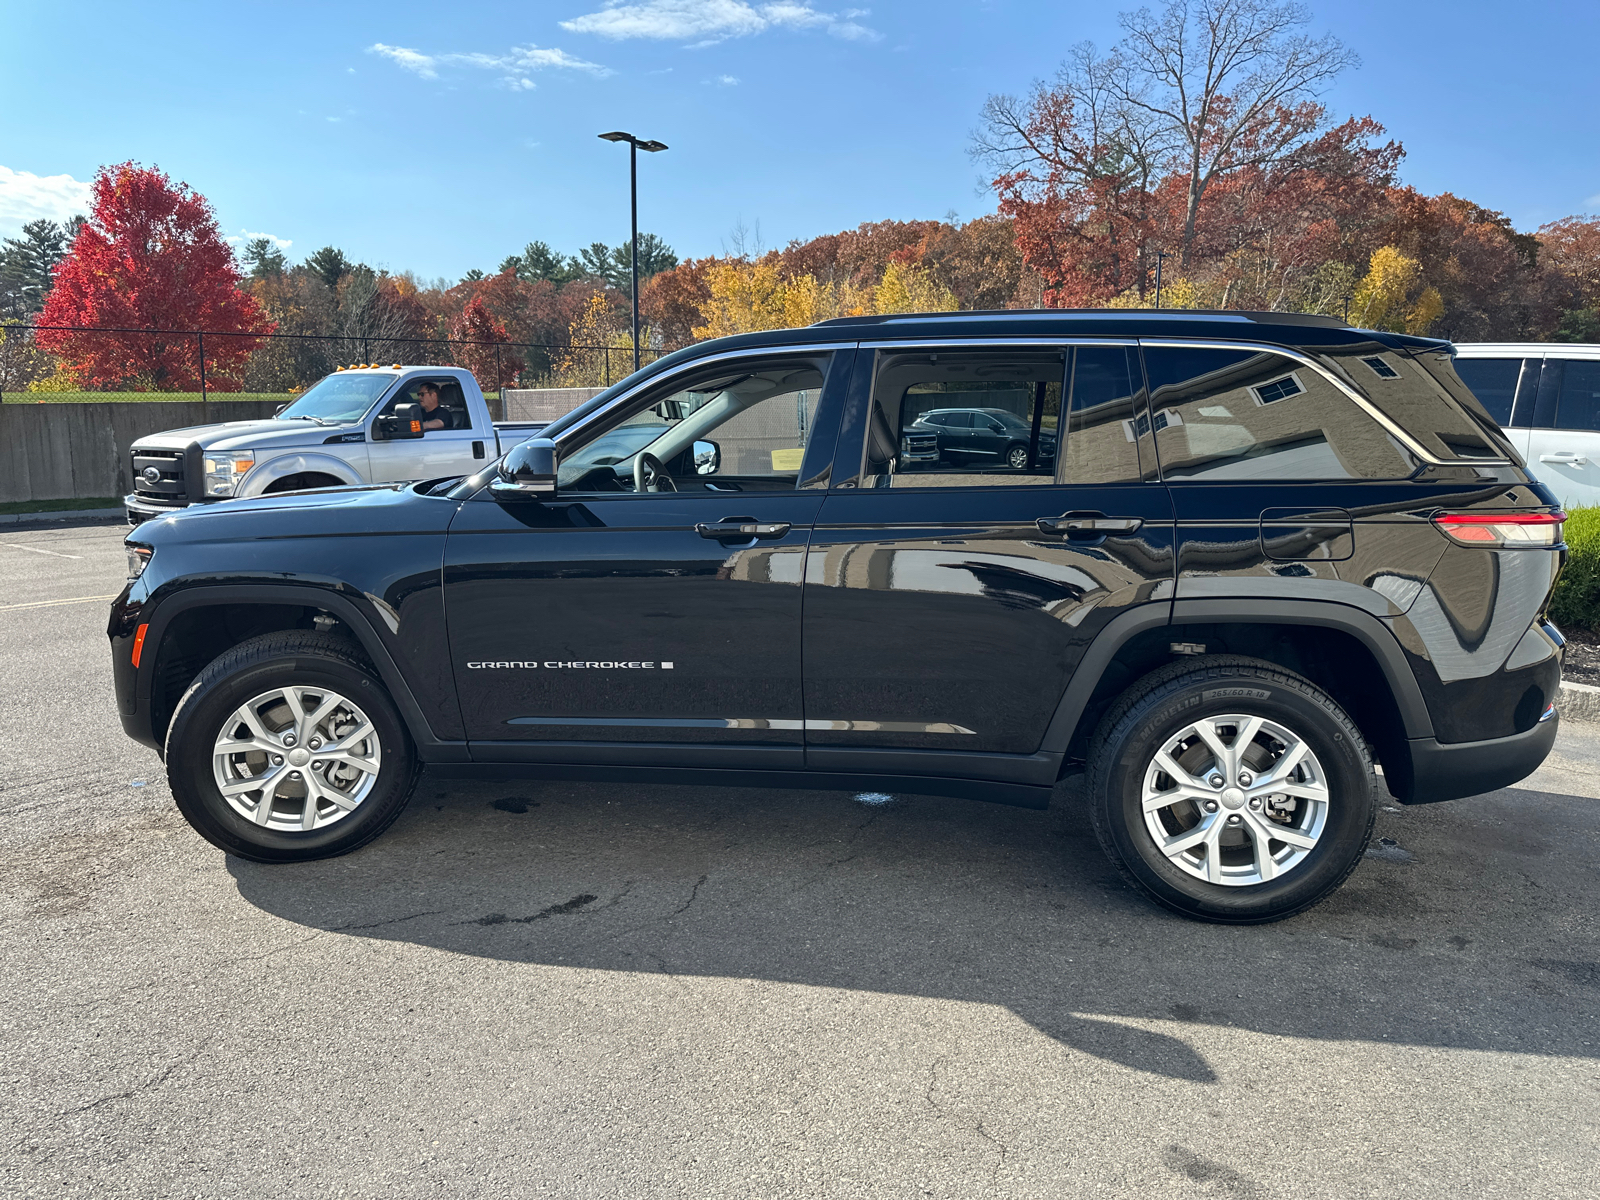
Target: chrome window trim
{"x": 1350, "y": 393}
{"x": 566, "y": 436}
{"x": 961, "y": 343}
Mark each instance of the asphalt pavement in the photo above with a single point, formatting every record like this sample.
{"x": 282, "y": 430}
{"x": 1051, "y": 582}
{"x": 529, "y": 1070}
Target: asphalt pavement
{"x": 558, "y": 989}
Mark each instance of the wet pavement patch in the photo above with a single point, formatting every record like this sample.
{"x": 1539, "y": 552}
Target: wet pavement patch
{"x": 1388, "y": 850}
{"x": 514, "y": 804}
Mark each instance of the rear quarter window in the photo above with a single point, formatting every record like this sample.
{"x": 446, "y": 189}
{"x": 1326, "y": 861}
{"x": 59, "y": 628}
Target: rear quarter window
{"x": 1433, "y": 404}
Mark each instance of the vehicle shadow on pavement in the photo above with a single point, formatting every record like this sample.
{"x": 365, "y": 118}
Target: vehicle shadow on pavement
{"x": 1468, "y": 926}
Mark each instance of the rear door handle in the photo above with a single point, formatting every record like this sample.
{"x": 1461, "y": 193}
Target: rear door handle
{"x": 1088, "y": 524}
{"x": 741, "y": 527}
{"x": 1576, "y": 460}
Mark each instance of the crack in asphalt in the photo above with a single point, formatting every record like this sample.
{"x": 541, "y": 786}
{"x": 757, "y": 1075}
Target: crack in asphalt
{"x": 148, "y": 1085}
{"x": 693, "y": 893}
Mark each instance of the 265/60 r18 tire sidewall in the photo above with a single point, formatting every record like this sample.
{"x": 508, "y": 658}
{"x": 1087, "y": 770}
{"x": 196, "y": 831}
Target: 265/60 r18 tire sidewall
{"x": 248, "y": 670}
{"x": 1133, "y": 732}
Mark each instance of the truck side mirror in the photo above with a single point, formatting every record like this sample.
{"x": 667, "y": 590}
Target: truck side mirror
{"x": 527, "y": 472}
{"x": 405, "y": 422}
{"x": 707, "y": 458}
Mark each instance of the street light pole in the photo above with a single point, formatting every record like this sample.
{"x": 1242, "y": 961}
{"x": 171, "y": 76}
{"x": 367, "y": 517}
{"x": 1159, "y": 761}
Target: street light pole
{"x": 634, "y": 146}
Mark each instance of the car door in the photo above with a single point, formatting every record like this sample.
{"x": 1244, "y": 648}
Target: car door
{"x": 1563, "y": 447}
{"x": 947, "y": 607}
{"x": 438, "y": 452}
{"x": 611, "y": 625}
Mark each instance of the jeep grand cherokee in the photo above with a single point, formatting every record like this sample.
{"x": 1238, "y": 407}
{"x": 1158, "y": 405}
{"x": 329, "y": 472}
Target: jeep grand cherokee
{"x": 1271, "y": 552}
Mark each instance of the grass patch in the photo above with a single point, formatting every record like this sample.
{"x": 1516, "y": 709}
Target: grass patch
{"x": 138, "y": 397}
{"x": 1576, "y": 602}
{"x": 10, "y": 508}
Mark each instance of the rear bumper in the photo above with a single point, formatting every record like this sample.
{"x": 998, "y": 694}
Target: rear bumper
{"x": 1449, "y": 771}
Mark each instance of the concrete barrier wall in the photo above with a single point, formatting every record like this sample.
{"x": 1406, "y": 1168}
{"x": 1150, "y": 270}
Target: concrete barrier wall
{"x": 67, "y": 451}
{"x": 543, "y": 404}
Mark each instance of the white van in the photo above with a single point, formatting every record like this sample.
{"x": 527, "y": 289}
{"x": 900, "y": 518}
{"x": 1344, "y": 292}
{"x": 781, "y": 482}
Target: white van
{"x": 1546, "y": 395}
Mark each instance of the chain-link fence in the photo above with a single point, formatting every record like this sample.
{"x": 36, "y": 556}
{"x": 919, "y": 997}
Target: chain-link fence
{"x": 46, "y": 363}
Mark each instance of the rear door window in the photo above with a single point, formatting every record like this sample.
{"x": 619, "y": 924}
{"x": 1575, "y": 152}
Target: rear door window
{"x": 1493, "y": 381}
{"x": 964, "y": 394}
{"x": 1253, "y": 415}
{"x": 1579, "y": 405}
{"x": 1103, "y": 424}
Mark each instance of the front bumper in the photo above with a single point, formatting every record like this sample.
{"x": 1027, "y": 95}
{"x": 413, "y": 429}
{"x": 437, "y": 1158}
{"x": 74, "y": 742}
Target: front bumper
{"x": 140, "y": 510}
{"x": 1452, "y": 770}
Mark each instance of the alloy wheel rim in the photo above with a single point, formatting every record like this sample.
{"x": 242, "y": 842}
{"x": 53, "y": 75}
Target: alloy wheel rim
{"x": 296, "y": 758}
{"x": 1235, "y": 800}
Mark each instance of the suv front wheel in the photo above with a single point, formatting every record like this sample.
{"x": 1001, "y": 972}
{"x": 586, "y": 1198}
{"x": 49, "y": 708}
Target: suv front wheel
{"x": 288, "y": 748}
{"x": 1231, "y": 790}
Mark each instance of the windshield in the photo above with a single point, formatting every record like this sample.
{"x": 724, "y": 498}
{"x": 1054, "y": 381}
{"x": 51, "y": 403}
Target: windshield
{"x": 607, "y": 450}
{"x": 341, "y": 397}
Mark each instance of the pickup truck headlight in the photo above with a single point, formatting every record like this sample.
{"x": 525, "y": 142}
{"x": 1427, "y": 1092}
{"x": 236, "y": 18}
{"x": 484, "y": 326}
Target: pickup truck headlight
{"x": 224, "y": 472}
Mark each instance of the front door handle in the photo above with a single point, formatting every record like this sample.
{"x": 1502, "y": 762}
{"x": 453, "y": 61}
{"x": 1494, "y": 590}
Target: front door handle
{"x": 1088, "y": 524}
{"x": 741, "y": 527}
{"x": 1576, "y": 460}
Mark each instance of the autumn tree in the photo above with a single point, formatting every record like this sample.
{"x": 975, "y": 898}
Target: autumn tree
{"x": 150, "y": 257}
{"x": 1228, "y": 84}
{"x": 483, "y": 336}
{"x": 1392, "y": 295}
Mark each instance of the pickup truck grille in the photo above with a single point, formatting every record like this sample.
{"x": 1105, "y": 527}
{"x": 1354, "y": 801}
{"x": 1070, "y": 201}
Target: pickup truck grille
{"x": 919, "y": 447}
{"x": 158, "y": 477}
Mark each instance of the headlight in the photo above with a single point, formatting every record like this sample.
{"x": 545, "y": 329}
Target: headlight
{"x": 223, "y": 472}
{"x": 138, "y": 559}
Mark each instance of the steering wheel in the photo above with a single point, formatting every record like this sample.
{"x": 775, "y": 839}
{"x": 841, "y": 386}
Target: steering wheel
{"x": 649, "y": 475}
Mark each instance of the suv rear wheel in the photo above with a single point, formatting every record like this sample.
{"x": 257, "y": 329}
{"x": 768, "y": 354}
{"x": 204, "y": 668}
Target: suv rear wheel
{"x": 287, "y": 748}
{"x": 1231, "y": 790}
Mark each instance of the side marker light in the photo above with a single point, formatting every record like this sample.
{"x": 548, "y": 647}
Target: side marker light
{"x": 138, "y": 643}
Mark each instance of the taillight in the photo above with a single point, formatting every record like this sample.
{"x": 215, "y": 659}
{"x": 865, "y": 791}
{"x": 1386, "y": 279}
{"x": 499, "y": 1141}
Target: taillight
{"x": 1502, "y": 531}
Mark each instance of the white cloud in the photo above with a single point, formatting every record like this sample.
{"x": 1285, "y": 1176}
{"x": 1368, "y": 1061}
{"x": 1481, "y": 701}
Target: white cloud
{"x": 411, "y": 60}
{"x": 707, "y": 21}
{"x": 26, "y": 197}
{"x": 245, "y": 235}
{"x": 723, "y": 81}
{"x": 515, "y": 66}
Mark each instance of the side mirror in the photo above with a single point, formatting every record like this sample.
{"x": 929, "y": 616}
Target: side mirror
{"x": 527, "y": 472}
{"x": 707, "y": 458}
{"x": 405, "y": 422}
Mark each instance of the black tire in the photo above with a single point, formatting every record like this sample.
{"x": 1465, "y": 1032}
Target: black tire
{"x": 1011, "y": 453}
{"x": 1159, "y": 708}
{"x": 276, "y": 660}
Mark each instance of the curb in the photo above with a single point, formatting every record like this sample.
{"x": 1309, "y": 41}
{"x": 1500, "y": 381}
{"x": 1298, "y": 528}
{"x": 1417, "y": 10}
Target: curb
{"x": 1579, "y": 701}
{"x": 66, "y": 514}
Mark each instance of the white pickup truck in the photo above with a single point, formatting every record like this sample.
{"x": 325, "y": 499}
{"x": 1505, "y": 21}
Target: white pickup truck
{"x": 358, "y": 425}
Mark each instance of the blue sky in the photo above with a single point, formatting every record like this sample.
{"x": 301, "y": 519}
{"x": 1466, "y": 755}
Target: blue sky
{"x": 437, "y": 138}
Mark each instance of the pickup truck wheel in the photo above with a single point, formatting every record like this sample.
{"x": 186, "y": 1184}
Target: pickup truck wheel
{"x": 1231, "y": 790}
{"x": 287, "y": 748}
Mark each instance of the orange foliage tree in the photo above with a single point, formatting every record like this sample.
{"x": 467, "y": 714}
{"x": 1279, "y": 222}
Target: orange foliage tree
{"x": 150, "y": 257}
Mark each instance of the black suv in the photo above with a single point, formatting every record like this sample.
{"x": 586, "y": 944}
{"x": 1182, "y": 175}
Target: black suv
{"x": 1271, "y": 552}
{"x": 995, "y": 437}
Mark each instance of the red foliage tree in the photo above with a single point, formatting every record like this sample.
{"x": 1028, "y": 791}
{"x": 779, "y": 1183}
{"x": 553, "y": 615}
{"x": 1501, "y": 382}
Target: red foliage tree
{"x": 484, "y": 333}
{"x": 150, "y": 258}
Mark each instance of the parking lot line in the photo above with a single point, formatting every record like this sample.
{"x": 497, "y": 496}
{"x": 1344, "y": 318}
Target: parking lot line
{"x": 37, "y": 550}
{"x": 54, "y": 603}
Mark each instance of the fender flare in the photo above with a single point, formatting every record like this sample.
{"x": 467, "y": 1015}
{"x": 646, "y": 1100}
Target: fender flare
{"x": 429, "y": 747}
{"x": 298, "y": 462}
{"x": 1363, "y": 626}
